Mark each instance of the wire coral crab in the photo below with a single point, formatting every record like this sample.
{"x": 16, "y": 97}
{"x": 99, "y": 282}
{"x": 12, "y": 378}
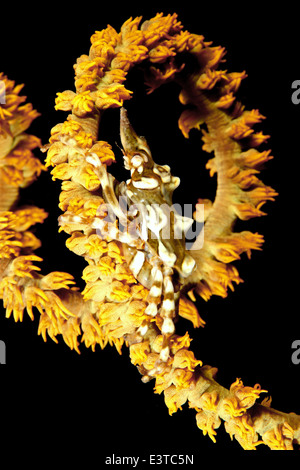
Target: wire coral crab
{"x": 140, "y": 277}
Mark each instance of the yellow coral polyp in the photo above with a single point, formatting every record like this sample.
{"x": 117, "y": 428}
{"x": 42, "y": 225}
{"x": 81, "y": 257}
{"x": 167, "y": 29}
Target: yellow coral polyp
{"x": 83, "y": 103}
{"x": 280, "y": 437}
{"x": 23, "y": 267}
{"x": 112, "y": 308}
{"x": 139, "y": 352}
{"x": 95, "y": 247}
{"x": 242, "y": 429}
{"x": 209, "y": 401}
{"x": 56, "y": 280}
{"x": 185, "y": 358}
{"x": 208, "y": 423}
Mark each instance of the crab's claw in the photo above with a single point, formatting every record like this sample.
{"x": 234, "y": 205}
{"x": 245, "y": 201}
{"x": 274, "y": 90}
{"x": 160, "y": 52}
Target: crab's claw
{"x": 135, "y": 148}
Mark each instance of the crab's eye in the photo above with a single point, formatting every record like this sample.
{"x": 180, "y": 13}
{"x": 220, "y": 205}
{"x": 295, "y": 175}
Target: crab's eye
{"x": 163, "y": 168}
{"x": 137, "y": 160}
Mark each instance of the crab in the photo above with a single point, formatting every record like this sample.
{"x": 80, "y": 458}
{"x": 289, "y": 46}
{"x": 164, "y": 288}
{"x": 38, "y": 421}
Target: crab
{"x": 151, "y": 231}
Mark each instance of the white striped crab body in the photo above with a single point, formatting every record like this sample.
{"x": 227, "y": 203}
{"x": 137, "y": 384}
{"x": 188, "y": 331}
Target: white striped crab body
{"x": 153, "y": 239}
{"x": 162, "y": 263}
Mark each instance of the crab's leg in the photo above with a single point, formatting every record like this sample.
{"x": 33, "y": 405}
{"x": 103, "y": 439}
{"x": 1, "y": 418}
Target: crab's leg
{"x": 154, "y": 297}
{"x": 167, "y": 312}
{"x": 162, "y": 287}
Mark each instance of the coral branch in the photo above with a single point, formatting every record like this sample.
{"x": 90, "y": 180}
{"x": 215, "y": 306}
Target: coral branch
{"x": 112, "y": 309}
{"x": 21, "y": 286}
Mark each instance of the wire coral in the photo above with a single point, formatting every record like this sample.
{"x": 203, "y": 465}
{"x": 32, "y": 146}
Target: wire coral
{"x": 138, "y": 281}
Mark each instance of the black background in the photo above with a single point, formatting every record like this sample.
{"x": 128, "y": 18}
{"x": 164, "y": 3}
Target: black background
{"x": 92, "y": 405}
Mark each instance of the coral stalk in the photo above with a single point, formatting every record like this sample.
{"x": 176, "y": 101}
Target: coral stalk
{"x": 136, "y": 290}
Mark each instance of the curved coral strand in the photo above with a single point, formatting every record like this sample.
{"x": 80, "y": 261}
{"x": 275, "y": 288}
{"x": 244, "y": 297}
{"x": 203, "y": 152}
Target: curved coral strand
{"x": 179, "y": 381}
{"x": 21, "y": 285}
{"x": 111, "y": 307}
{"x": 240, "y": 193}
{"x": 184, "y": 381}
{"x": 17, "y": 168}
